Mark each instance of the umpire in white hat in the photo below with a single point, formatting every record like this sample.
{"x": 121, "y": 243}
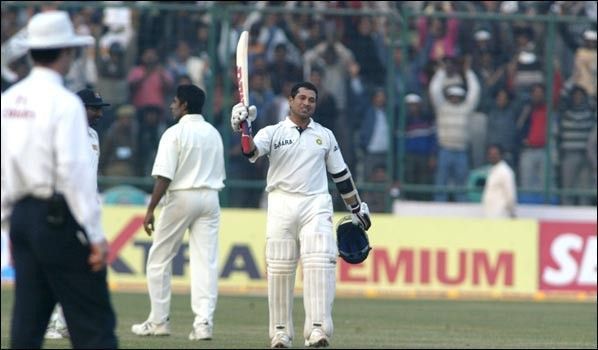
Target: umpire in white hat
{"x": 49, "y": 197}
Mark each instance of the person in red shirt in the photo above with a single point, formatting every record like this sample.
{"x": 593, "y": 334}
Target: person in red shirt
{"x": 531, "y": 125}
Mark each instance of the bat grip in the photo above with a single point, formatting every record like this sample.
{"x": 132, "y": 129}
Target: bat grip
{"x": 245, "y": 134}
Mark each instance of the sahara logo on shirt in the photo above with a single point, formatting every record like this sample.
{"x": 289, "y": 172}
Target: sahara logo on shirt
{"x": 282, "y": 143}
{"x": 319, "y": 141}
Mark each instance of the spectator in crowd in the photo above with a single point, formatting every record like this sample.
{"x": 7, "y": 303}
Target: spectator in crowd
{"x": 149, "y": 84}
{"x": 260, "y": 95}
{"x": 83, "y": 72}
{"x": 279, "y": 109}
{"x": 151, "y": 126}
{"x": 524, "y": 72}
{"x": 407, "y": 73}
{"x": 281, "y": 69}
{"x": 151, "y": 31}
{"x": 577, "y": 118}
{"x": 119, "y": 29}
{"x": 367, "y": 51}
{"x": 580, "y": 46}
{"x": 376, "y": 199}
{"x": 500, "y": 192}
{"x": 338, "y": 64}
{"x": 119, "y": 145}
{"x": 254, "y": 46}
{"x": 453, "y": 108}
{"x": 584, "y": 66}
{"x": 531, "y": 126}
{"x": 183, "y": 62}
{"x": 483, "y": 41}
{"x": 335, "y": 59}
{"x": 351, "y": 50}
{"x": 271, "y": 34}
{"x": 229, "y": 37}
{"x": 112, "y": 73}
{"x": 487, "y": 66}
{"x": 374, "y": 133}
{"x": 454, "y": 68}
{"x": 326, "y": 110}
{"x": 112, "y": 81}
{"x": 502, "y": 126}
{"x": 420, "y": 145}
{"x": 524, "y": 35}
{"x": 437, "y": 37}
{"x": 199, "y": 46}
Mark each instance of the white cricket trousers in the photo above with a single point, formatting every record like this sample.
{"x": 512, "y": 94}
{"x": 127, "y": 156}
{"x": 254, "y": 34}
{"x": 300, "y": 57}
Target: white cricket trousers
{"x": 199, "y": 211}
{"x": 300, "y": 228}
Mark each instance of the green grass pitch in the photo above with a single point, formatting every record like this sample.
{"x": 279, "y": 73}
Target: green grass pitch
{"x": 241, "y": 322}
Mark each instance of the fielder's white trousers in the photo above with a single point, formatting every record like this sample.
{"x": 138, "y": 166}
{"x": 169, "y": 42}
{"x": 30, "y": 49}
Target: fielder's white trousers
{"x": 300, "y": 228}
{"x": 199, "y": 211}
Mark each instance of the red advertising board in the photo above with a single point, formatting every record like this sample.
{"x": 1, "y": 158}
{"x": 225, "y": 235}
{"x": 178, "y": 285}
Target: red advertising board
{"x": 567, "y": 256}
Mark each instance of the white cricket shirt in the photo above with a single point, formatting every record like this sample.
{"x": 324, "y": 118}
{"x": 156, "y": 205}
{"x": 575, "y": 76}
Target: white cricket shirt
{"x": 191, "y": 155}
{"x": 298, "y": 161}
{"x": 45, "y": 143}
{"x": 94, "y": 142}
{"x": 500, "y": 192}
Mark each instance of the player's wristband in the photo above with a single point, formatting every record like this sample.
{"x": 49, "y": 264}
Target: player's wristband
{"x": 248, "y": 155}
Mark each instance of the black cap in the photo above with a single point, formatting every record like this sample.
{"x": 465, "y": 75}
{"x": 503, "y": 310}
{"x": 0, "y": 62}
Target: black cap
{"x": 92, "y": 99}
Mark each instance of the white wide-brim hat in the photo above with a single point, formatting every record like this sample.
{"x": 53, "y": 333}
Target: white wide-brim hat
{"x": 51, "y": 30}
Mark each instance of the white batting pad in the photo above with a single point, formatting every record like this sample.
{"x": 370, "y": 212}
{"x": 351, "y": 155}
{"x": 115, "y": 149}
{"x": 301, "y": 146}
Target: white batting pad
{"x": 281, "y": 260}
{"x": 318, "y": 257}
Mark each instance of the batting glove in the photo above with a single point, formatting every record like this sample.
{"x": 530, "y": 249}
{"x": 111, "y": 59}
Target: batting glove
{"x": 360, "y": 215}
{"x": 241, "y": 113}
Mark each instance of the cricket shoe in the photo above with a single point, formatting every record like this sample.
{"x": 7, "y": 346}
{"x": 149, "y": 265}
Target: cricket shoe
{"x": 149, "y": 328}
{"x": 317, "y": 339}
{"x": 201, "y": 332}
{"x": 56, "y": 330}
{"x": 52, "y": 334}
{"x": 281, "y": 340}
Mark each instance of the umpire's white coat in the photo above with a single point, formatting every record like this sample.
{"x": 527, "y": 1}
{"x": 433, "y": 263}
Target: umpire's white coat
{"x": 37, "y": 112}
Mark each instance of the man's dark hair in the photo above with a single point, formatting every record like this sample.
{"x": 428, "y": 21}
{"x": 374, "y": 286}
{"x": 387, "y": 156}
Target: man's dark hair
{"x": 193, "y": 96}
{"x": 306, "y": 85}
{"x": 505, "y": 90}
{"x": 45, "y": 56}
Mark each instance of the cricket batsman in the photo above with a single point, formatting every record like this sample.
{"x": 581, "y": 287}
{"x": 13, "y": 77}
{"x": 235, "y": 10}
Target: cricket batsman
{"x": 300, "y": 225}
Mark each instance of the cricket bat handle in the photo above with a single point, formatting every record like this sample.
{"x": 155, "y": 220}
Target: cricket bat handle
{"x": 245, "y": 135}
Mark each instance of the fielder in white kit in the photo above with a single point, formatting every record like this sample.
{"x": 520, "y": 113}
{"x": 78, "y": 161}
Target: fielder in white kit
{"x": 189, "y": 171}
{"x": 57, "y": 328}
{"x": 300, "y": 224}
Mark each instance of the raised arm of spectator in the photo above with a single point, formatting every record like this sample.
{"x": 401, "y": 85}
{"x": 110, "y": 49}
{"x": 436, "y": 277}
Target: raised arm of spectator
{"x": 473, "y": 90}
{"x": 436, "y": 84}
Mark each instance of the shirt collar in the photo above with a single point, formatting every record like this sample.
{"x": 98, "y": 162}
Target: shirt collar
{"x": 289, "y": 123}
{"x": 46, "y": 74}
{"x": 191, "y": 117}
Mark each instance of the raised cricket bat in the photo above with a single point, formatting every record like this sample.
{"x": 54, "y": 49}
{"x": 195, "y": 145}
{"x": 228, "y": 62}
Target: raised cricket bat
{"x": 242, "y": 82}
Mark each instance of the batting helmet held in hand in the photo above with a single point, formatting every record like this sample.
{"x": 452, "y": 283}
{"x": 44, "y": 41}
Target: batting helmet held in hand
{"x": 352, "y": 240}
